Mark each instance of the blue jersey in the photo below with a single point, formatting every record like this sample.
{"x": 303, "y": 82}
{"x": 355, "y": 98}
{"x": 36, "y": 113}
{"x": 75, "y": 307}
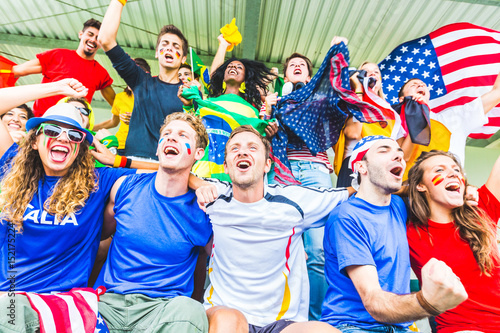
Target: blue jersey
{"x": 157, "y": 239}
{"x": 54, "y": 255}
{"x": 359, "y": 233}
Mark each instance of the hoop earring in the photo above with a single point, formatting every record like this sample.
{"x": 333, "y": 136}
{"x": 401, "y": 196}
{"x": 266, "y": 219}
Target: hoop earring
{"x": 242, "y": 88}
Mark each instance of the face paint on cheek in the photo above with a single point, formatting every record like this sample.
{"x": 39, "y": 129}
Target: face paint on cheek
{"x": 438, "y": 179}
{"x": 74, "y": 151}
{"x": 47, "y": 141}
{"x": 162, "y": 51}
{"x": 188, "y": 148}
{"x": 462, "y": 179}
{"x": 177, "y": 54}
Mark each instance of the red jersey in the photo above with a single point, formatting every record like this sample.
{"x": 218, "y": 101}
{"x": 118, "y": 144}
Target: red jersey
{"x": 481, "y": 311}
{"x": 58, "y": 64}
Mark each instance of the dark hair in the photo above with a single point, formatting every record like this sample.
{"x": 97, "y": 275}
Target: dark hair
{"x": 472, "y": 224}
{"x": 401, "y": 93}
{"x": 257, "y": 77}
{"x": 92, "y": 23}
{"x": 29, "y": 112}
{"x": 301, "y": 56}
{"x": 172, "y": 29}
{"x": 248, "y": 128}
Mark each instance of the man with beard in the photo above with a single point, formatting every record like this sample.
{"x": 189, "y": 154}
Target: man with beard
{"x": 257, "y": 269}
{"x": 367, "y": 257}
{"x": 58, "y": 64}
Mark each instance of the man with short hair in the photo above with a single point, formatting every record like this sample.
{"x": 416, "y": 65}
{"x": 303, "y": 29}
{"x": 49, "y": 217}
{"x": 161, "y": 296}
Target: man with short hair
{"x": 367, "y": 256}
{"x": 154, "y": 97}
{"x": 58, "y": 64}
{"x": 258, "y": 269}
{"x": 159, "y": 231}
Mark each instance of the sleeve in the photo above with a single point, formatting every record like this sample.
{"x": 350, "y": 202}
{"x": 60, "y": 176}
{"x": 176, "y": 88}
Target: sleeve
{"x": 126, "y": 67}
{"x": 223, "y": 188}
{"x": 317, "y": 203}
{"x": 351, "y": 240}
{"x": 45, "y": 59}
{"x": 108, "y": 176}
{"x": 6, "y": 159}
{"x": 105, "y": 79}
{"x": 464, "y": 119}
{"x": 117, "y": 104}
{"x": 489, "y": 203}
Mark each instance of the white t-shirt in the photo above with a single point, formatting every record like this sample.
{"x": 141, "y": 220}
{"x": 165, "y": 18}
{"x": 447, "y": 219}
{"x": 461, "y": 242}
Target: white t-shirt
{"x": 258, "y": 263}
{"x": 461, "y": 121}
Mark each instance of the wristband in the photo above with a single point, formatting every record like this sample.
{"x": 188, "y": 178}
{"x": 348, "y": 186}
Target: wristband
{"x": 120, "y": 161}
{"x": 426, "y": 305}
{"x": 359, "y": 92}
{"x": 129, "y": 162}
{"x": 123, "y": 2}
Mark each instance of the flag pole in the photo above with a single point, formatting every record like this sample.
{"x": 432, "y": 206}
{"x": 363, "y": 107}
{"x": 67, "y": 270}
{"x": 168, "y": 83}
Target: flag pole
{"x": 192, "y": 67}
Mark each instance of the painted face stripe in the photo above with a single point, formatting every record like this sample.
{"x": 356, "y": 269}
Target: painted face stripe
{"x": 188, "y": 148}
{"x": 438, "y": 179}
{"x": 162, "y": 51}
{"x": 177, "y": 54}
{"x": 462, "y": 179}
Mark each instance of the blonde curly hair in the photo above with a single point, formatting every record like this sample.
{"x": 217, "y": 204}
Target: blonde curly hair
{"x": 21, "y": 183}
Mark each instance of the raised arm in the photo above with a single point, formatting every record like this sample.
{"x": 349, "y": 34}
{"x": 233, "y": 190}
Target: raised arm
{"x": 12, "y": 97}
{"x": 110, "y": 25}
{"x": 27, "y": 68}
{"x": 493, "y": 182}
{"x": 220, "y": 55}
{"x": 492, "y": 97}
{"x": 440, "y": 288}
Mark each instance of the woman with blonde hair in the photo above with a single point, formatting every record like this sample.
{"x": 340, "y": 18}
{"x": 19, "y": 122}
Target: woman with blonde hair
{"x": 446, "y": 227}
{"x": 52, "y": 198}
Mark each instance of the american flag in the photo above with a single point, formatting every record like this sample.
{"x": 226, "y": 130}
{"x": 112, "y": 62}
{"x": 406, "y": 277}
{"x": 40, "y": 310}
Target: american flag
{"x": 315, "y": 114}
{"x": 459, "y": 62}
{"x": 73, "y": 311}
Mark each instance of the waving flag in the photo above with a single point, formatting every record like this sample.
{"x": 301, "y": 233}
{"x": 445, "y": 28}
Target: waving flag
{"x": 219, "y": 123}
{"x": 458, "y": 62}
{"x": 198, "y": 67}
{"x": 73, "y": 311}
{"x": 315, "y": 114}
{"x": 7, "y": 79}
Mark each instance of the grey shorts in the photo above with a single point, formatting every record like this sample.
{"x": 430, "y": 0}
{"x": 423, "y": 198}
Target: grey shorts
{"x": 275, "y": 327}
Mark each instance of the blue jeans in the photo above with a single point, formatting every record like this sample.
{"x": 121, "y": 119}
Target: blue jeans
{"x": 383, "y": 329}
{"x": 318, "y": 175}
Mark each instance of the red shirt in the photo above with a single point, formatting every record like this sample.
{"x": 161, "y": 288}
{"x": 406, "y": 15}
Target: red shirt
{"x": 481, "y": 311}
{"x": 58, "y": 64}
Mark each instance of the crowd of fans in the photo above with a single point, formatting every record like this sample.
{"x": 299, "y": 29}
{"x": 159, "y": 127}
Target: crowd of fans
{"x": 180, "y": 216}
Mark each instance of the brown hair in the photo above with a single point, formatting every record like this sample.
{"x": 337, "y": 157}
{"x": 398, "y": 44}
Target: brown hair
{"x": 92, "y": 23}
{"x": 301, "y": 56}
{"x": 401, "y": 91}
{"x": 248, "y": 128}
{"x": 472, "y": 224}
{"x": 172, "y": 29}
{"x": 194, "y": 122}
{"x": 21, "y": 183}
{"x": 381, "y": 91}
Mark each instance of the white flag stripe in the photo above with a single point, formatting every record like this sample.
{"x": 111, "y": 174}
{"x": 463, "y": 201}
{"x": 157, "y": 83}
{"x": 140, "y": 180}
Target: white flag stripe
{"x": 495, "y": 112}
{"x": 75, "y": 318}
{"x": 471, "y": 91}
{"x": 45, "y": 312}
{"x": 486, "y": 130}
{"x": 460, "y": 34}
{"x": 91, "y": 299}
{"x": 474, "y": 71}
{"x": 470, "y": 51}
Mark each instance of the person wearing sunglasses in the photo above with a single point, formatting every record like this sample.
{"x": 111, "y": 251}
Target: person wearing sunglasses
{"x": 52, "y": 199}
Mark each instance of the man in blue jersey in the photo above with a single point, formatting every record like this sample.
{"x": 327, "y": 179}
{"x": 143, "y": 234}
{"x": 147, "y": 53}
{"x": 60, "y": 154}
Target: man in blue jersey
{"x": 367, "y": 257}
{"x": 159, "y": 231}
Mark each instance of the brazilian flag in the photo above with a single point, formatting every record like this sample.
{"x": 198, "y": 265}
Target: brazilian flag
{"x": 219, "y": 123}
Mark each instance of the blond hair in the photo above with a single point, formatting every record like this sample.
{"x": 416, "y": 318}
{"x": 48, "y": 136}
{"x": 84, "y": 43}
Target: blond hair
{"x": 194, "y": 122}
{"x": 21, "y": 183}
